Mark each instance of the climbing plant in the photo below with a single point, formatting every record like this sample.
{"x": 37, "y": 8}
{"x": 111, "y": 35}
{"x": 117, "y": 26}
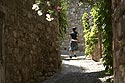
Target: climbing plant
{"x": 101, "y": 15}
{"x": 52, "y": 8}
{"x": 101, "y": 12}
{"x": 63, "y": 18}
{"x": 90, "y": 34}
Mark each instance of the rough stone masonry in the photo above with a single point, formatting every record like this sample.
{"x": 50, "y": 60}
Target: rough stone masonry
{"x": 118, "y": 25}
{"x": 31, "y": 47}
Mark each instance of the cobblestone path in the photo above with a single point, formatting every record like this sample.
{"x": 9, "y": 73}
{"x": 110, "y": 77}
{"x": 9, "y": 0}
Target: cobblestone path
{"x": 78, "y": 70}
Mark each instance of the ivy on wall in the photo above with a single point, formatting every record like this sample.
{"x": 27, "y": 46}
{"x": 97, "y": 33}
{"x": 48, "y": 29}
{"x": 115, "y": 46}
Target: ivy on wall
{"x": 63, "y": 18}
{"x": 49, "y": 9}
{"x": 90, "y": 34}
{"x": 101, "y": 22}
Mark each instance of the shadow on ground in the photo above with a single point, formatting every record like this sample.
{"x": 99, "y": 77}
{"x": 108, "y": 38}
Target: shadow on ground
{"x": 74, "y": 74}
{"x": 66, "y": 57}
{"x": 76, "y": 77}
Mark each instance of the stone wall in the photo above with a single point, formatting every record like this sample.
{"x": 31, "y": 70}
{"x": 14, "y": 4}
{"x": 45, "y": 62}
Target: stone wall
{"x": 1, "y": 47}
{"x": 97, "y": 53}
{"x": 75, "y": 12}
{"x": 74, "y": 15}
{"x": 31, "y": 44}
{"x": 118, "y": 7}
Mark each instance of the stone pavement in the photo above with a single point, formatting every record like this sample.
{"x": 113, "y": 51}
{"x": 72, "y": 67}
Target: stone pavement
{"x": 78, "y": 70}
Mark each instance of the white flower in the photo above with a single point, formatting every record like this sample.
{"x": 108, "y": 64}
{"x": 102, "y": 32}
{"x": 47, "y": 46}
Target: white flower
{"x": 35, "y": 7}
{"x": 48, "y": 3}
{"x": 39, "y": 12}
{"x": 52, "y": 18}
{"x": 48, "y": 19}
{"x": 48, "y": 15}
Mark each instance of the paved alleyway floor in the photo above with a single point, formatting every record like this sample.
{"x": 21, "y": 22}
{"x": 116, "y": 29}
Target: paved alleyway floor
{"x": 79, "y": 70}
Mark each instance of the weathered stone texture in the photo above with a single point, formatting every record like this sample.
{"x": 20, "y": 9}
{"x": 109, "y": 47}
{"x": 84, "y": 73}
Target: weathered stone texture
{"x": 119, "y": 40}
{"x": 75, "y": 12}
{"x": 31, "y": 44}
{"x": 97, "y": 53}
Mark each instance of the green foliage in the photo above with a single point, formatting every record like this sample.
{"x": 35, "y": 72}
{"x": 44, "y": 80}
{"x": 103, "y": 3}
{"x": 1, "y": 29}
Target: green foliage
{"x": 63, "y": 18}
{"x": 105, "y": 12}
{"x": 85, "y": 19}
{"x": 101, "y": 14}
{"x": 51, "y": 9}
{"x": 90, "y": 35}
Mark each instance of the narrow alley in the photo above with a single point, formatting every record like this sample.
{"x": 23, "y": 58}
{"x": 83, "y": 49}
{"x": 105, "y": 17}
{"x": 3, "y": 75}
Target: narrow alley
{"x": 79, "y": 69}
{"x": 33, "y": 32}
